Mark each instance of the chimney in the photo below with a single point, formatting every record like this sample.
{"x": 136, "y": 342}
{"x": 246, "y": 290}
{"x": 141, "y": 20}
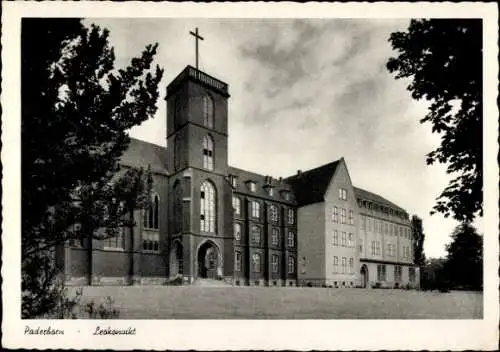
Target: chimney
{"x": 299, "y": 172}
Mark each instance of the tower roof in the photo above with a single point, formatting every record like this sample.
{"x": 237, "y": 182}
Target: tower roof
{"x": 192, "y": 74}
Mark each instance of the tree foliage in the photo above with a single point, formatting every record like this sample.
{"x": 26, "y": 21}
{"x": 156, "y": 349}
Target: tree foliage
{"x": 443, "y": 59}
{"x": 464, "y": 262}
{"x": 76, "y": 111}
{"x": 418, "y": 243}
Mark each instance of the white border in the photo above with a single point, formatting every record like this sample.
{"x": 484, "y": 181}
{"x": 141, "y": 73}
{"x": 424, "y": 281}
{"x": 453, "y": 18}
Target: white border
{"x": 247, "y": 334}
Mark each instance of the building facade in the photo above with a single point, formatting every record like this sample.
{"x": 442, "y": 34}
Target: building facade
{"x": 208, "y": 220}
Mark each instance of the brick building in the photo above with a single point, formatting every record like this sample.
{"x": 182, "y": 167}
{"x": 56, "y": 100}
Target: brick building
{"x": 211, "y": 220}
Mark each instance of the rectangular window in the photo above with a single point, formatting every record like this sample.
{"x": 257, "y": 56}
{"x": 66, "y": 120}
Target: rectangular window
{"x": 378, "y": 247}
{"x": 373, "y": 248}
{"x": 342, "y": 193}
{"x": 351, "y": 217}
{"x": 237, "y": 261}
{"x": 255, "y": 209}
{"x": 270, "y": 191}
{"x": 386, "y": 228}
{"x": 237, "y": 231}
{"x": 291, "y": 216}
{"x": 344, "y": 239}
{"x": 273, "y": 212}
{"x": 255, "y": 234}
{"x": 291, "y": 239}
{"x": 397, "y": 273}
{"x": 236, "y": 206}
{"x": 351, "y": 266}
{"x": 252, "y": 187}
{"x": 381, "y": 272}
{"x": 335, "y": 215}
{"x": 291, "y": 265}
{"x": 115, "y": 242}
{"x": 350, "y": 240}
{"x": 335, "y": 238}
{"x": 344, "y": 265}
{"x": 363, "y": 222}
{"x": 342, "y": 216}
{"x": 275, "y": 233}
{"x": 335, "y": 264}
{"x": 151, "y": 241}
{"x": 256, "y": 262}
{"x": 274, "y": 263}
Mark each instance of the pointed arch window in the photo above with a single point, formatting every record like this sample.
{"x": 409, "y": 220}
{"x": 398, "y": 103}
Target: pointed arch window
{"x": 177, "y": 191}
{"x": 151, "y": 213}
{"x": 208, "y": 198}
{"x": 177, "y": 152}
{"x": 208, "y": 152}
{"x": 208, "y": 111}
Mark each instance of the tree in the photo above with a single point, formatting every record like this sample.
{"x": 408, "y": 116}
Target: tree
{"x": 76, "y": 111}
{"x": 464, "y": 262}
{"x": 443, "y": 57}
{"x": 418, "y": 243}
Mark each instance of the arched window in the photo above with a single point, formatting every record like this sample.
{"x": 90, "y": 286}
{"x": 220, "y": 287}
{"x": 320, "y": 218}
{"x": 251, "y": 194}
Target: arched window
{"x": 208, "y": 199}
{"x": 151, "y": 213}
{"x": 208, "y": 111}
{"x": 256, "y": 262}
{"x": 208, "y": 152}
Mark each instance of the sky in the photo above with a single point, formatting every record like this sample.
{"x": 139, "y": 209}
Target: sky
{"x": 305, "y": 92}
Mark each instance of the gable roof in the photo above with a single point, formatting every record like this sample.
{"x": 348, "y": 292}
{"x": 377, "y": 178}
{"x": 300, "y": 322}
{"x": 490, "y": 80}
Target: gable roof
{"x": 310, "y": 186}
{"x": 142, "y": 154}
{"x": 366, "y": 195}
{"x": 261, "y": 181}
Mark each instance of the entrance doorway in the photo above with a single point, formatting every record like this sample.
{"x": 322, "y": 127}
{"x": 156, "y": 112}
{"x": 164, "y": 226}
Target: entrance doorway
{"x": 208, "y": 261}
{"x": 364, "y": 276}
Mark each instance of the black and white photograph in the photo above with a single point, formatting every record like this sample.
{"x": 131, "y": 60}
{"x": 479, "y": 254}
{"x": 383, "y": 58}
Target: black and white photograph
{"x": 244, "y": 169}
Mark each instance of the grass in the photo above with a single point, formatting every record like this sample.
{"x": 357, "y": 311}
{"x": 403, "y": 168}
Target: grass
{"x": 184, "y": 302}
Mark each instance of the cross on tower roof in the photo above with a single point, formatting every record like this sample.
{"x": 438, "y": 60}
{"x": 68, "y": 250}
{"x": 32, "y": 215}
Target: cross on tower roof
{"x": 197, "y": 37}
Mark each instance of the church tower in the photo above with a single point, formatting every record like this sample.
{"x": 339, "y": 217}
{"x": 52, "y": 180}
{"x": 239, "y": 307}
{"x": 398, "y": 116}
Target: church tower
{"x": 200, "y": 195}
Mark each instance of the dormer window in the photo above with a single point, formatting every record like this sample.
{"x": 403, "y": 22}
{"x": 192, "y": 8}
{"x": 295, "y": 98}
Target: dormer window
{"x": 234, "y": 181}
{"x": 252, "y": 186}
{"x": 270, "y": 190}
{"x": 286, "y": 195}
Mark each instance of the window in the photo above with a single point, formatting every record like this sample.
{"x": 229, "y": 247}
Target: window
{"x": 291, "y": 265}
{"x": 391, "y": 250}
{"x": 381, "y": 272}
{"x": 344, "y": 239}
{"x": 381, "y": 226}
{"x": 411, "y": 274}
{"x": 350, "y": 240}
{"x": 386, "y": 228}
{"x": 274, "y": 263}
{"x": 256, "y": 234}
{"x": 351, "y": 266}
{"x": 335, "y": 238}
{"x": 234, "y": 181}
{"x": 400, "y": 232}
{"x": 335, "y": 216}
{"x": 291, "y": 239}
{"x": 255, "y": 209}
{"x": 373, "y": 248}
{"x": 351, "y": 217}
{"x": 291, "y": 216}
{"x": 397, "y": 273}
{"x": 369, "y": 224}
{"x": 115, "y": 242}
{"x": 237, "y": 231}
{"x": 335, "y": 265}
{"x": 360, "y": 245}
{"x": 256, "y": 262}
{"x": 273, "y": 212}
{"x": 275, "y": 233}
{"x": 344, "y": 265}
{"x": 237, "y": 261}
{"x": 270, "y": 191}
{"x": 342, "y": 194}
{"x": 363, "y": 222}
{"x": 151, "y": 241}
{"x": 207, "y": 207}
{"x": 378, "y": 247}
{"x": 237, "y": 206}
{"x": 208, "y": 152}
{"x": 342, "y": 216}
{"x": 177, "y": 191}
{"x": 208, "y": 111}
{"x": 177, "y": 152}
{"x": 151, "y": 213}
{"x": 252, "y": 186}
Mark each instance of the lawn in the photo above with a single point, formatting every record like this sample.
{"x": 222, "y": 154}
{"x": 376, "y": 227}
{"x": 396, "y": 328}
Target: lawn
{"x": 184, "y": 302}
